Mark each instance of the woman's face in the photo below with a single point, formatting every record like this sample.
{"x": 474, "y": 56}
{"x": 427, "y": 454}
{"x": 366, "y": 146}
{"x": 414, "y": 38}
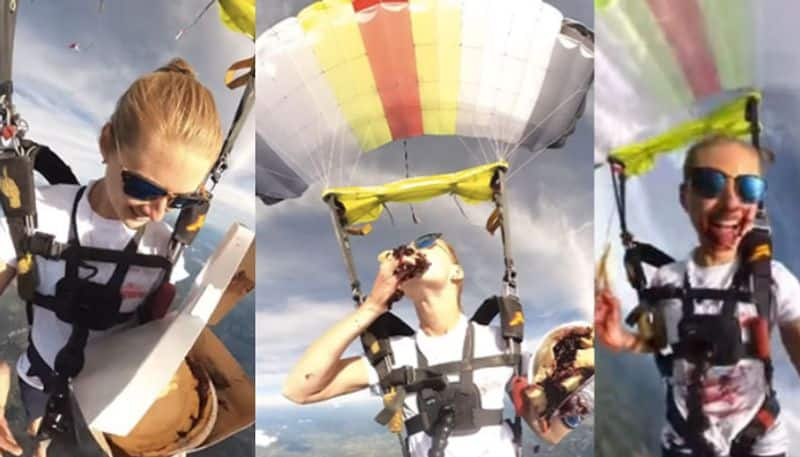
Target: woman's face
{"x": 176, "y": 168}
{"x": 722, "y": 221}
{"x": 439, "y": 272}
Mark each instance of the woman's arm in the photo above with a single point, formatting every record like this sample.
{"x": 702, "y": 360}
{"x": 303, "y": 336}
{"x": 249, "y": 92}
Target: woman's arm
{"x": 790, "y": 336}
{"x": 322, "y": 373}
{"x": 7, "y": 274}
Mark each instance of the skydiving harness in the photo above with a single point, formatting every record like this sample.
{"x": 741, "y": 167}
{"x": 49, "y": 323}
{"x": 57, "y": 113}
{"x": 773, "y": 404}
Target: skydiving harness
{"x": 445, "y": 408}
{"x": 76, "y": 297}
{"x": 705, "y": 340}
{"x": 78, "y": 300}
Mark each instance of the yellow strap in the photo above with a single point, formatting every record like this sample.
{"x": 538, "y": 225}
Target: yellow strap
{"x": 728, "y": 119}
{"x": 493, "y": 222}
{"x": 396, "y": 423}
{"x": 359, "y": 230}
{"x": 241, "y": 80}
{"x": 365, "y": 204}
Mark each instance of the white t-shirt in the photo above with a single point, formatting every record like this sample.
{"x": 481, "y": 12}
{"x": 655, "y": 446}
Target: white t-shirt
{"x": 733, "y": 394}
{"x": 489, "y": 441}
{"x": 54, "y": 207}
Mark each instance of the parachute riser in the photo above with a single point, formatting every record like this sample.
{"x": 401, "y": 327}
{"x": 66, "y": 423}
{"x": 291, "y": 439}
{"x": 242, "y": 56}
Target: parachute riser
{"x": 191, "y": 219}
{"x": 501, "y": 202}
{"x": 385, "y": 365}
{"x": 346, "y": 250}
{"x": 509, "y": 280}
{"x": 243, "y": 109}
{"x": 752, "y": 116}
{"x": 12, "y": 126}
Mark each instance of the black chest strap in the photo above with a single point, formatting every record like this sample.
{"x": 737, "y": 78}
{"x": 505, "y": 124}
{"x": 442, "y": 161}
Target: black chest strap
{"x": 78, "y": 300}
{"x": 478, "y": 416}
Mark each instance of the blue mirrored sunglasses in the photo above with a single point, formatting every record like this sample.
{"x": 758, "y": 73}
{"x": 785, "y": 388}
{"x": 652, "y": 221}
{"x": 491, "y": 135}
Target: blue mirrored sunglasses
{"x": 710, "y": 182}
{"x": 426, "y": 241}
{"x": 141, "y": 188}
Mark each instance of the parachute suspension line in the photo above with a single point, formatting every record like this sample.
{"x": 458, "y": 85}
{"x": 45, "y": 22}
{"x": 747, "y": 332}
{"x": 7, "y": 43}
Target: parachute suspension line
{"x": 471, "y": 151}
{"x": 389, "y": 213}
{"x": 195, "y": 21}
{"x": 460, "y": 208}
{"x": 530, "y": 159}
{"x": 405, "y": 159}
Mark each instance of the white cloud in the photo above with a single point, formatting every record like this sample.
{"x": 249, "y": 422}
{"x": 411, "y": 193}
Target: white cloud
{"x": 264, "y": 440}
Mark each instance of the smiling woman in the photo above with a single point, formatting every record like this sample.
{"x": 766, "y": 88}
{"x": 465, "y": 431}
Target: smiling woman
{"x": 689, "y": 162}
{"x": 97, "y": 264}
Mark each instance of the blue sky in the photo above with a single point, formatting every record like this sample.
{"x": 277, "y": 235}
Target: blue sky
{"x": 66, "y": 96}
{"x": 302, "y": 282}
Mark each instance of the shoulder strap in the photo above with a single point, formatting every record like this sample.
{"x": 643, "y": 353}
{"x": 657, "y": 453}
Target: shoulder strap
{"x": 73, "y": 217}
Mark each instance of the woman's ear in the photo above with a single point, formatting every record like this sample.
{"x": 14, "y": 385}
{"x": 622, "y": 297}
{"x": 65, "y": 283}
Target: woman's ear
{"x": 682, "y": 195}
{"x": 457, "y": 273}
{"x": 106, "y": 141}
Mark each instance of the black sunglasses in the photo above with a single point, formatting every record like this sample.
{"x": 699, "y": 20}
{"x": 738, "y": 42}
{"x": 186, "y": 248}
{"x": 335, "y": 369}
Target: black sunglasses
{"x": 140, "y": 188}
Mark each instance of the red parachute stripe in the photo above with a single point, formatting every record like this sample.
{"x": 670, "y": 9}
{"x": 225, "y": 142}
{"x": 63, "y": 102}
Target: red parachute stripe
{"x": 682, "y": 22}
{"x": 388, "y": 40}
{"x": 359, "y": 5}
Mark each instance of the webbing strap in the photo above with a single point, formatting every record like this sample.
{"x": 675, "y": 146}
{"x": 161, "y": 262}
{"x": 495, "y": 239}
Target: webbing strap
{"x": 668, "y": 292}
{"x": 482, "y": 418}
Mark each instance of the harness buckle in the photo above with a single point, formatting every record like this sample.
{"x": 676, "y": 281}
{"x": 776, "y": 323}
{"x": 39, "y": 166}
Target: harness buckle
{"x": 45, "y": 245}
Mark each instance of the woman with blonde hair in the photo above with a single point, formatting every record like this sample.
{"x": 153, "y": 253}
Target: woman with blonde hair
{"x": 158, "y": 148}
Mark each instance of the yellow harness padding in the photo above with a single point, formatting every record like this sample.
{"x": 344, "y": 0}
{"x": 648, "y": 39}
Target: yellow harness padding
{"x": 365, "y": 204}
{"x": 729, "y": 119}
{"x": 239, "y": 16}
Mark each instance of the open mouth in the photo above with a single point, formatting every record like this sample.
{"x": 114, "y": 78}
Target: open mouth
{"x": 725, "y": 232}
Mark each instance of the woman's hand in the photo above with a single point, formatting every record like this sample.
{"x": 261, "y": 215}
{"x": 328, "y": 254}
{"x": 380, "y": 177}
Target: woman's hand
{"x": 395, "y": 267}
{"x": 7, "y": 441}
{"x": 608, "y": 323}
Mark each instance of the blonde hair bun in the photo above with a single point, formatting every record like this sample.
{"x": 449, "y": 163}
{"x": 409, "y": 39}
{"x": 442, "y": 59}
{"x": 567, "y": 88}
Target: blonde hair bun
{"x": 168, "y": 105}
{"x": 178, "y": 65}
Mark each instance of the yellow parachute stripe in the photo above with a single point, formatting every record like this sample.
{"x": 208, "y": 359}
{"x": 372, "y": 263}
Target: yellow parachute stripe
{"x": 436, "y": 29}
{"x": 239, "y": 16}
{"x": 340, "y": 51}
{"x": 365, "y": 204}
{"x": 729, "y": 119}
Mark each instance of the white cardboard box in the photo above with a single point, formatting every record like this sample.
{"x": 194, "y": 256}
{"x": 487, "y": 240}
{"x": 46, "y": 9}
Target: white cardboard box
{"x": 125, "y": 372}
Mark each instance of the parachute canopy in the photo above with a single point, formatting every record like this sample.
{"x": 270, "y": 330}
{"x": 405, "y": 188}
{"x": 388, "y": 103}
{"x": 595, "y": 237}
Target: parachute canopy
{"x": 239, "y": 16}
{"x": 344, "y": 78}
{"x": 689, "y": 66}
